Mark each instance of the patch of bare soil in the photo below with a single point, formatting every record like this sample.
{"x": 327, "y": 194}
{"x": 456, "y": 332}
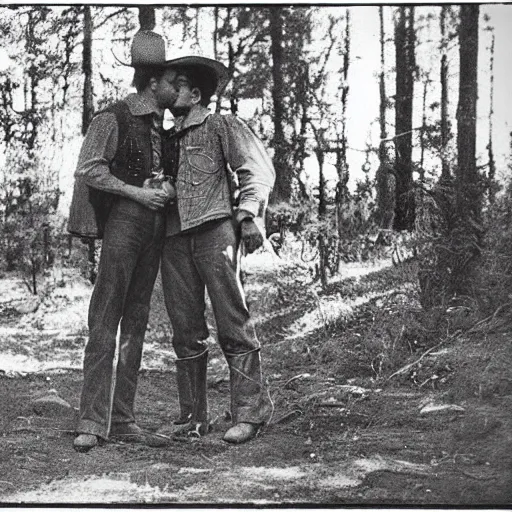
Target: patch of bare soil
{"x": 333, "y": 440}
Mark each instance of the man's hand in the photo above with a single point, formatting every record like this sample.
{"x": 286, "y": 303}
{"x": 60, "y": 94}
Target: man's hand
{"x": 251, "y": 235}
{"x": 152, "y": 198}
{"x": 161, "y": 184}
{"x": 169, "y": 189}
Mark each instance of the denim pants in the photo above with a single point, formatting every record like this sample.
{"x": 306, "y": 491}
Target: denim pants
{"x": 128, "y": 267}
{"x": 208, "y": 258}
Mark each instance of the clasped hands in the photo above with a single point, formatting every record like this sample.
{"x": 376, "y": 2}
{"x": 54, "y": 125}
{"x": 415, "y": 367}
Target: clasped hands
{"x": 156, "y": 192}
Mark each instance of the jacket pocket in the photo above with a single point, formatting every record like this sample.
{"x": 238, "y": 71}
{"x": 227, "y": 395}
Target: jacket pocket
{"x": 202, "y": 172}
{"x": 201, "y": 165}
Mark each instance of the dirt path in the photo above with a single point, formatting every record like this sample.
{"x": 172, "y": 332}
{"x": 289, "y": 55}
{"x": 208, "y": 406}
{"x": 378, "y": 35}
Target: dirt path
{"x": 330, "y": 442}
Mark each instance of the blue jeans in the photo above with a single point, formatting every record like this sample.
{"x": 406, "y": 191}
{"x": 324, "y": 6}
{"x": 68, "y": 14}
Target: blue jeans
{"x": 128, "y": 267}
{"x": 208, "y": 258}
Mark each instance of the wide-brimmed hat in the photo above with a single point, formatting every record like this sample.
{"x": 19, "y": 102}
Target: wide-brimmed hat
{"x": 213, "y": 68}
{"x": 147, "y": 49}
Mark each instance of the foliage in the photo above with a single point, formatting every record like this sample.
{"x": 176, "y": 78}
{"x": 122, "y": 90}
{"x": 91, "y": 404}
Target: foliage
{"x": 361, "y": 239}
{"x": 28, "y": 210}
{"x": 494, "y": 278}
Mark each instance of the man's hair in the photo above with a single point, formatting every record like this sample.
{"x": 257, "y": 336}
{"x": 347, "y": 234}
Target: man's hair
{"x": 199, "y": 77}
{"x": 143, "y": 75}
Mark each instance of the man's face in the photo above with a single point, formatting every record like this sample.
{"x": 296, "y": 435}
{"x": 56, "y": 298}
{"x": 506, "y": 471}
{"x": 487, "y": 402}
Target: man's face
{"x": 166, "y": 90}
{"x": 187, "y": 96}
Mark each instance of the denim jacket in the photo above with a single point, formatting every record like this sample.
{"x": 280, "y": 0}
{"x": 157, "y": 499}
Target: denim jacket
{"x": 219, "y": 157}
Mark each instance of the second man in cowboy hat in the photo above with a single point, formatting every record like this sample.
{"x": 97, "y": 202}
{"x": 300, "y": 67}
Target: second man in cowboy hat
{"x": 223, "y": 177}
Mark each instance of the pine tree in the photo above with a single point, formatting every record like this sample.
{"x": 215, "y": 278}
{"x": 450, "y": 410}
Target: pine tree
{"x": 405, "y": 68}
{"x": 283, "y": 185}
{"x": 467, "y": 179}
{"x": 385, "y": 178}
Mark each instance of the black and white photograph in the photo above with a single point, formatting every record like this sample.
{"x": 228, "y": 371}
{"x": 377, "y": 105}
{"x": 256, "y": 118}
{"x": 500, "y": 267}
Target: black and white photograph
{"x": 324, "y": 188}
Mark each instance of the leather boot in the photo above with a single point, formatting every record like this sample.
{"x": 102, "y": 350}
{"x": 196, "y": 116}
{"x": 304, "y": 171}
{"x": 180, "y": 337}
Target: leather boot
{"x": 250, "y": 402}
{"x": 184, "y": 384}
{"x": 193, "y": 401}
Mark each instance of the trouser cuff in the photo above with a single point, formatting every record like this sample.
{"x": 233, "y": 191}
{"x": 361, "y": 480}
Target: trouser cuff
{"x": 91, "y": 427}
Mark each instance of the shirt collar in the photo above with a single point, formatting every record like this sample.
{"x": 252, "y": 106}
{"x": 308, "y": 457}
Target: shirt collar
{"x": 196, "y": 116}
{"x": 140, "y": 105}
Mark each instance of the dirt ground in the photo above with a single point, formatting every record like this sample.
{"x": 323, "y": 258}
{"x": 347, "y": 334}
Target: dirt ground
{"x": 336, "y": 437}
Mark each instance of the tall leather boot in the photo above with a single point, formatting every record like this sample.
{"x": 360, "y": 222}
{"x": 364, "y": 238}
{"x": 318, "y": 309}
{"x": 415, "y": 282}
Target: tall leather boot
{"x": 192, "y": 395}
{"x": 250, "y": 402}
{"x": 184, "y": 384}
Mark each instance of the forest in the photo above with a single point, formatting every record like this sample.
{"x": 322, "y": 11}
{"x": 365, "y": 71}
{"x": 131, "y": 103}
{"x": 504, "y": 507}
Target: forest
{"x": 383, "y": 288}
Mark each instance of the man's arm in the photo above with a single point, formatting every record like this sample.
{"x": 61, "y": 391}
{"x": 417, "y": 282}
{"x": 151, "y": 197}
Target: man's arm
{"x": 247, "y": 157}
{"x": 98, "y": 151}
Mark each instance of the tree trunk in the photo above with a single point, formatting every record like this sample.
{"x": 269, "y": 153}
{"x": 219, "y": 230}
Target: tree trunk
{"x": 283, "y": 185}
{"x": 147, "y": 17}
{"x": 233, "y": 101}
{"x": 382, "y": 90}
{"x": 33, "y": 81}
{"x": 468, "y": 190}
{"x": 405, "y": 66}
{"x": 216, "y": 33}
{"x": 384, "y": 177}
{"x": 445, "y": 130}
{"x": 322, "y": 211}
{"x": 88, "y": 112}
{"x": 322, "y": 200}
{"x": 342, "y": 166}
{"x": 423, "y": 130}
{"x": 303, "y": 101}
{"x": 468, "y": 94}
{"x": 87, "y": 99}
{"x": 490, "y": 151}
{"x": 341, "y": 153}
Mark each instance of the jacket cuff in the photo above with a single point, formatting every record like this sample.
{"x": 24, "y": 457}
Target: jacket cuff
{"x": 247, "y": 208}
{"x": 242, "y": 215}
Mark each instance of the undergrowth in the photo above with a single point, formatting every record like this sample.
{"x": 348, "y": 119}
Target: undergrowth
{"x": 373, "y": 330}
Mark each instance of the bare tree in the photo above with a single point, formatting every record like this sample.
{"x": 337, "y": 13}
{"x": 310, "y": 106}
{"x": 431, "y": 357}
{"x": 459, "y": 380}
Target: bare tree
{"x": 88, "y": 113}
{"x": 426, "y": 83}
{"x": 385, "y": 179}
{"x": 490, "y": 151}
{"x": 468, "y": 194}
{"x": 341, "y": 153}
{"x": 445, "y": 129}
{"x": 283, "y": 186}
{"x": 405, "y": 68}
{"x": 87, "y": 98}
{"x": 320, "y": 151}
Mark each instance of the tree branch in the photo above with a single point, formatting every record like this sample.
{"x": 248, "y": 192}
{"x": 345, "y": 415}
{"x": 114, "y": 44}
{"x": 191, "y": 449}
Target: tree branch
{"x": 112, "y": 15}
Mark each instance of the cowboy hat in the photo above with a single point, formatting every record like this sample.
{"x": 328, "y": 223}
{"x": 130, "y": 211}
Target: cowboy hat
{"x": 148, "y": 49}
{"x": 213, "y": 68}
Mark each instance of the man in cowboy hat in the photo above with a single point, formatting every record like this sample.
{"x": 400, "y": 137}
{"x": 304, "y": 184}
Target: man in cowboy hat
{"x": 208, "y": 153}
{"x": 112, "y": 200}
